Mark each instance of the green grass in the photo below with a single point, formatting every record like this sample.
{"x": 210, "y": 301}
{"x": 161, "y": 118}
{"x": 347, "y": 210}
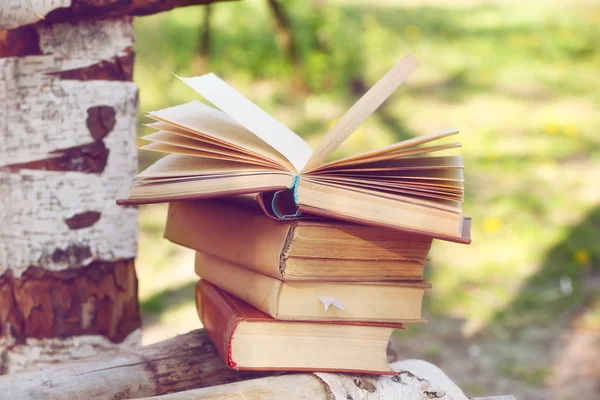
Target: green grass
{"x": 520, "y": 81}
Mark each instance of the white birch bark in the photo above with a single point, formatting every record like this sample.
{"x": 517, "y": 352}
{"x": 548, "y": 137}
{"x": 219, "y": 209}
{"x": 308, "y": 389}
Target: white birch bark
{"x": 15, "y": 13}
{"x": 40, "y": 113}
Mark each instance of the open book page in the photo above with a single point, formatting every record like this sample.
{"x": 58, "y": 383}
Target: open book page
{"x": 362, "y": 109}
{"x": 179, "y": 177}
{"x": 171, "y": 149}
{"x": 252, "y": 117}
{"x": 178, "y": 165}
{"x": 389, "y": 152}
{"x": 401, "y": 164}
{"x": 171, "y": 143}
{"x": 207, "y": 122}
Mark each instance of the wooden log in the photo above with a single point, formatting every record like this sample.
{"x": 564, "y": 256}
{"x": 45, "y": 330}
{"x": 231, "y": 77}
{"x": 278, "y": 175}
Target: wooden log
{"x": 416, "y": 379}
{"x": 181, "y": 363}
{"x": 191, "y": 361}
{"x": 16, "y": 13}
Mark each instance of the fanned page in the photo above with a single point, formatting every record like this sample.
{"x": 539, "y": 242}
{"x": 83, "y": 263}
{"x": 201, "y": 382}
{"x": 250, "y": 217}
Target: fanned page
{"x": 180, "y": 177}
{"x": 405, "y": 185}
{"x": 362, "y": 109}
{"x": 249, "y": 115}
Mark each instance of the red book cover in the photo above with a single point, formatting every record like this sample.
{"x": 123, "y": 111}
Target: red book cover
{"x": 221, "y": 313}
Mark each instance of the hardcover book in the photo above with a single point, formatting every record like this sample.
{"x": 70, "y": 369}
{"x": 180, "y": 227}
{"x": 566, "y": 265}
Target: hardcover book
{"x": 397, "y": 302}
{"x": 247, "y": 338}
{"x": 235, "y": 148}
{"x": 236, "y": 230}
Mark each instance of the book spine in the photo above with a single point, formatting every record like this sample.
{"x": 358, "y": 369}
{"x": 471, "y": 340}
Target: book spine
{"x": 258, "y": 290}
{"x": 230, "y": 231}
{"x": 218, "y": 317}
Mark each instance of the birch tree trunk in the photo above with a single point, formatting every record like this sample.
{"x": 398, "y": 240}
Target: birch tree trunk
{"x": 68, "y": 116}
{"x": 68, "y": 111}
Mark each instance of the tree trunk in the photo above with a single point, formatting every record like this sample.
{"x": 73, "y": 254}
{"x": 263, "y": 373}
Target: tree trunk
{"x": 68, "y": 116}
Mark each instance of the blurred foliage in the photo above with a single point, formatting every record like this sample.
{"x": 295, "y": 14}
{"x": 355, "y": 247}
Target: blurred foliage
{"x": 521, "y": 82}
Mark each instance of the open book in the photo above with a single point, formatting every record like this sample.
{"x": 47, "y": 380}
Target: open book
{"x": 237, "y": 148}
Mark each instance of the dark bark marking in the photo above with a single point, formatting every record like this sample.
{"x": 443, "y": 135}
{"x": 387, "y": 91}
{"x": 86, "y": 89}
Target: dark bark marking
{"x": 364, "y": 384}
{"x": 46, "y": 304}
{"x": 88, "y": 158}
{"x": 72, "y": 255}
{"x": 83, "y": 220}
{"x": 100, "y": 121}
{"x": 116, "y": 69}
{"x": 434, "y": 395}
{"x": 19, "y": 42}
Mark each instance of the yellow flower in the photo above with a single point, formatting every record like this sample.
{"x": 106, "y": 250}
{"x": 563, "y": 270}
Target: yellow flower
{"x": 412, "y": 33}
{"x": 571, "y": 130}
{"x": 551, "y": 128}
{"x": 492, "y": 225}
{"x": 582, "y": 256}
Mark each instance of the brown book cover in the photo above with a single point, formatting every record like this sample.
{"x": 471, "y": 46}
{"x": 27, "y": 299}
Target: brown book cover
{"x": 236, "y": 230}
{"x": 221, "y": 313}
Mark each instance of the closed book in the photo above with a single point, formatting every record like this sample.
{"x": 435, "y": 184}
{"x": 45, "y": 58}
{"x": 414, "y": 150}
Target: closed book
{"x": 247, "y": 338}
{"x": 237, "y": 230}
{"x": 398, "y": 302}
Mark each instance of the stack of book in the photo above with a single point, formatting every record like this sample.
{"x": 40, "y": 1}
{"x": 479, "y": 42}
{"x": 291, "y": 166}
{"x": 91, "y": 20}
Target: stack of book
{"x": 341, "y": 288}
{"x": 317, "y": 270}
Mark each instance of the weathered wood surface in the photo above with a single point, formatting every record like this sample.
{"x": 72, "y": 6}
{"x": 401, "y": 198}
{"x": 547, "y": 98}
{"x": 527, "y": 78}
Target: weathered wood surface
{"x": 16, "y": 13}
{"x": 42, "y": 353}
{"x": 191, "y": 361}
{"x": 181, "y": 363}
{"x": 416, "y": 379}
{"x": 68, "y": 116}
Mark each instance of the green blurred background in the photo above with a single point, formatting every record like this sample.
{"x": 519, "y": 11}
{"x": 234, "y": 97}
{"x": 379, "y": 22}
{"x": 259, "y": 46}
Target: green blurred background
{"x": 517, "y": 311}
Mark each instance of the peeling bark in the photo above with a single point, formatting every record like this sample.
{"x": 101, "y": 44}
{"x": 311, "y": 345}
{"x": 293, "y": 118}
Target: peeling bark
{"x": 98, "y": 299}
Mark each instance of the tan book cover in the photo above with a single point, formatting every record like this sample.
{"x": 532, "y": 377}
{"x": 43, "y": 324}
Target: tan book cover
{"x": 235, "y": 229}
{"x": 396, "y": 302}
